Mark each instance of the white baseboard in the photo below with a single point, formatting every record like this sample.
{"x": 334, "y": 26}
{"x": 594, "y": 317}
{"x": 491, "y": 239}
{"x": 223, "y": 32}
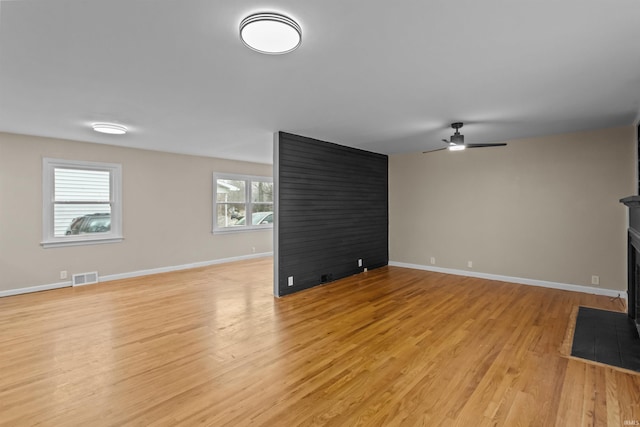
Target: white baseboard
{"x": 519, "y": 280}
{"x": 30, "y": 289}
{"x": 138, "y": 273}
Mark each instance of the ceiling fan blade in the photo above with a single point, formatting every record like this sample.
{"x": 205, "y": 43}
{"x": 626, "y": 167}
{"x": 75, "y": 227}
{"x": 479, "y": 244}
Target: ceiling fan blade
{"x": 431, "y": 151}
{"x": 447, "y": 142}
{"x": 502, "y": 144}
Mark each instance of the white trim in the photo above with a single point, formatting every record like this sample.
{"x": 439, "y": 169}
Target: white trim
{"x": 241, "y": 177}
{"x": 138, "y": 273}
{"x": 243, "y": 229}
{"x": 518, "y": 280}
{"x": 181, "y": 267}
{"x": 115, "y": 187}
{"x": 82, "y": 242}
{"x": 31, "y": 289}
{"x": 248, "y": 179}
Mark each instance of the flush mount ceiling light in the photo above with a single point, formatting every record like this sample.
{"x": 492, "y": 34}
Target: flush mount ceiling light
{"x": 270, "y": 33}
{"x": 110, "y": 128}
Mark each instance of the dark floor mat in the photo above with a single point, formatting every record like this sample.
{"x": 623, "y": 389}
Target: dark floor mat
{"x": 606, "y": 337}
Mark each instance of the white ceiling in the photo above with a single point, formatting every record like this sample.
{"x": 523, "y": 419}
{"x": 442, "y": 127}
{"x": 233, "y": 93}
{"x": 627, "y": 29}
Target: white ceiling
{"x": 383, "y": 76}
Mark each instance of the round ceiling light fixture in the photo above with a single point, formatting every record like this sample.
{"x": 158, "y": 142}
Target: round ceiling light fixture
{"x": 110, "y": 128}
{"x": 270, "y": 33}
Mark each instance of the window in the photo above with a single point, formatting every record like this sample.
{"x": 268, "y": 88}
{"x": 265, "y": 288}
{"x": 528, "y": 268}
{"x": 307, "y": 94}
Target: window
{"x": 242, "y": 202}
{"x": 81, "y": 203}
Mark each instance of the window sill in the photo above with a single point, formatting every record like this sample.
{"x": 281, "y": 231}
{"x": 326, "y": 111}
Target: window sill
{"x": 240, "y": 230}
{"x": 80, "y": 242}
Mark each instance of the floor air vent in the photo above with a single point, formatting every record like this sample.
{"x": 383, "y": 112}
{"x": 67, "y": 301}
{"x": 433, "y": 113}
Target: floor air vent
{"x": 84, "y": 278}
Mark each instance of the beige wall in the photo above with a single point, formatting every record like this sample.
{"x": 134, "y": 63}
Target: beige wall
{"x": 167, "y": 212}
{"x": 540, "y": 208}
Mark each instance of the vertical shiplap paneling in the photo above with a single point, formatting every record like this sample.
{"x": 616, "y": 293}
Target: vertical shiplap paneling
{"x": 332, "y": 210}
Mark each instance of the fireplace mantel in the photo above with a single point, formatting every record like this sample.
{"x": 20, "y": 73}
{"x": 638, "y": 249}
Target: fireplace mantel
{"x": 633, "y": 283}
{"x": 631, "y": 201}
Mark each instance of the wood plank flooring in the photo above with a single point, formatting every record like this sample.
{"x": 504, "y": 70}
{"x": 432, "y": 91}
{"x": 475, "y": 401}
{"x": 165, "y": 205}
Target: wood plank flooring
{"x": 392, "y": 347}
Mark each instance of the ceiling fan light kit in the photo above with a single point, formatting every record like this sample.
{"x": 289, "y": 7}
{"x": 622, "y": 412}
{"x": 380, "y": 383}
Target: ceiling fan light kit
{"x": 456, "y": 142}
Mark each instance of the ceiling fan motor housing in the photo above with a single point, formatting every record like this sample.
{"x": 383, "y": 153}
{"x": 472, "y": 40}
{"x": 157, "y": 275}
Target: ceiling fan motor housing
{"x": 457, "y": 138}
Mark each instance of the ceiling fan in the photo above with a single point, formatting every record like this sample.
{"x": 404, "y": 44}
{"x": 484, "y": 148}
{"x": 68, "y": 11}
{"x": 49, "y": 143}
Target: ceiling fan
{"x": 457, "y": 141}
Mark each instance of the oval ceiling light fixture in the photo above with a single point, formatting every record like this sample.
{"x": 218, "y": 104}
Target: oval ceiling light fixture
{"x": 110, "y": 128}
{"x": 270, "y": 33}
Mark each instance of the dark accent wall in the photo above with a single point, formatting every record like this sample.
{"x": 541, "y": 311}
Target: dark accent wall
{"x": 332, "y": 209}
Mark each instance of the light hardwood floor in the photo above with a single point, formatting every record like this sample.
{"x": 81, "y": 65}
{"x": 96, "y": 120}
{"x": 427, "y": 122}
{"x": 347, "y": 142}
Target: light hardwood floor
{"x": 393, "y": 346}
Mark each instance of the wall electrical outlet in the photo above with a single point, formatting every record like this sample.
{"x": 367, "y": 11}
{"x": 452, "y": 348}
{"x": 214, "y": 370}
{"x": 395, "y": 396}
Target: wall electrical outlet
{"x": 63, "y": 274}
{"x": 360, "y": 262}
{"x": 290, "y": 281}
{"x": 470, "y": 264}
{"x": 595, "y": 280}
{"x": 433, "y": 260}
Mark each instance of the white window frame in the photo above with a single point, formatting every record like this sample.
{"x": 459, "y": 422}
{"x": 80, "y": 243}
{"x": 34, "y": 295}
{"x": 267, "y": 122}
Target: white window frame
{"x": 247, "y": 201}
{"x": 49, "y": 240}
